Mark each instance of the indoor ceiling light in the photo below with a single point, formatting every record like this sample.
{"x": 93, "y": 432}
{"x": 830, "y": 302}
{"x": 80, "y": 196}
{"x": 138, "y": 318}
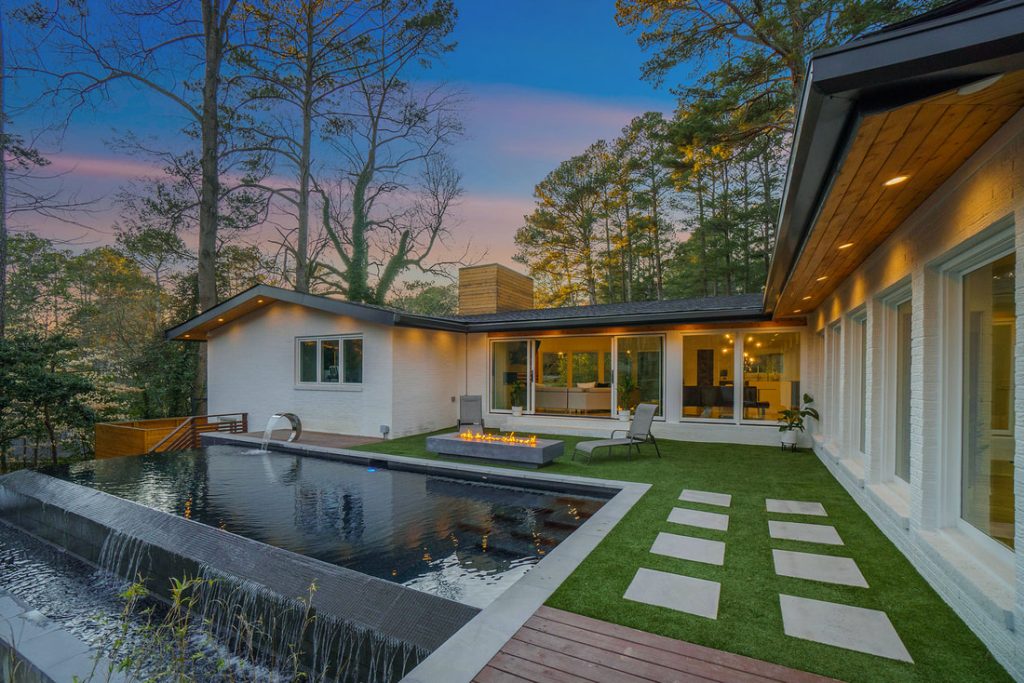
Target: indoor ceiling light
{"x": 896, "y": 181}
{"x": 845, "y": 246}
{"x": 978, "y": 86}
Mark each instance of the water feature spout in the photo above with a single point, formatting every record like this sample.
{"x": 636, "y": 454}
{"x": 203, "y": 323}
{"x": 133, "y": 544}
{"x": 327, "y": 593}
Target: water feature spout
{"x": 292, "y": 418}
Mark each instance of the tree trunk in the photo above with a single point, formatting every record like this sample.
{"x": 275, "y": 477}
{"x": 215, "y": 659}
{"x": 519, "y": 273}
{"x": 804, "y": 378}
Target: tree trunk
{"x": 210, "y": 190}
{"x": 3, "y": 194}
{"x": 302, "y": 270}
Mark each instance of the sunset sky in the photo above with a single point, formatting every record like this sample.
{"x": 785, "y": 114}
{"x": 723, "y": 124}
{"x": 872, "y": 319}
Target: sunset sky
{"x": 543, "y": 80}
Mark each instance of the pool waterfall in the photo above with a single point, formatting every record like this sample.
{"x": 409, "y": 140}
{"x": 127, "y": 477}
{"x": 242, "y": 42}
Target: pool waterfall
{"x": 299, "y": 605}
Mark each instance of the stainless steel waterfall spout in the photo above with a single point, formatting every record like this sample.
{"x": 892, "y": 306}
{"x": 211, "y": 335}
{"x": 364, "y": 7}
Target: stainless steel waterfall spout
{"x": 292, "y": 418}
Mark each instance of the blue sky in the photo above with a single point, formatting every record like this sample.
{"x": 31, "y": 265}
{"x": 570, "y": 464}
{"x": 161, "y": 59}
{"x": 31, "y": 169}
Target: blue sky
{"x": 543, "y": 80}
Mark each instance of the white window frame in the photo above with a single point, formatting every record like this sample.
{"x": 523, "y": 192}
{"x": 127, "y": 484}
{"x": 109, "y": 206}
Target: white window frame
{"x": 891, "y": 300}
{"x": 739, "y": 339}
{"x": 318, "y": 385}
{"x": 856, "y": 360}
{"x": 833, "y": 429}
{"x": 952, "y": 273}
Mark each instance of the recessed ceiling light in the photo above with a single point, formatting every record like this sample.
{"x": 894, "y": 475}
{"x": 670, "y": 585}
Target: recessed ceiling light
{"x": 220, "y": 320}
{"x": 806, "y": 298}
{"x": 896, "y": 181}
{"x": 259, "y": 301}
{"x": 846, "y": 246}
{"x": 978, "y": 86}
{"x": 822, "y": 278}
{"x": 796, "y": 310}
{"x": 187, "y": 336}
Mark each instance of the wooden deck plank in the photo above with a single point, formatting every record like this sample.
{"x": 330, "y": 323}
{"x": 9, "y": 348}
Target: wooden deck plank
{"x": 645, "y": 653}
{"x": 531, "y": 671}
{"x": 619, "y": 664}
{"x": 490, "y": 674}
{"x": 762, "y": 668}
{"x": 592, "y": 671}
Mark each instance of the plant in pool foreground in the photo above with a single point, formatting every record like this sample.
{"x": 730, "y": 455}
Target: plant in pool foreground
{"x": 792, "y": 420}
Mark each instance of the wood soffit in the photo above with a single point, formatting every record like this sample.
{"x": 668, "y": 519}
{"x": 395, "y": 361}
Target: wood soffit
{"x": 925, "y": 141}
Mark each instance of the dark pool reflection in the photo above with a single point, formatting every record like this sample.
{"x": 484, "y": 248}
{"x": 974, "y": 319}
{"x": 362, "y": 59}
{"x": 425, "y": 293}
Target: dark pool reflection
{"x": 462, "y": 540}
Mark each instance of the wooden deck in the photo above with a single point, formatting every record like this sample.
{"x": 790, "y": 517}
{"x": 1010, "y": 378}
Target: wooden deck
{"x": 326, "y": 439}
{"x": 561, "y": 647}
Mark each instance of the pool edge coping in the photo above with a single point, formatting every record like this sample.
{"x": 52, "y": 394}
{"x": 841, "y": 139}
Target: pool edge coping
{"x": 468, "y": 651}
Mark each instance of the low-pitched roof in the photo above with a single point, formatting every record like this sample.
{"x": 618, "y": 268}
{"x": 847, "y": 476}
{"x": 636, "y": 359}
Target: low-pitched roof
{"x": 739, "y": 308}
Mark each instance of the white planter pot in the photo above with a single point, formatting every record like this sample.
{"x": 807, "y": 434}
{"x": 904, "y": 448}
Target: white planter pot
{"x": 789, "y": 437}
{"x": 624, "y": 416}
{"x": 517, "y": 411}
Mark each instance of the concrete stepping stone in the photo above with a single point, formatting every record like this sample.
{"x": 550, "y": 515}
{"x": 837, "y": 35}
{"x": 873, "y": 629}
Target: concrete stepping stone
{"x": 681, "y": 593}
{"x": 798, "y": 531}
{"x": 851, "y": 628}
{"x": 689, "y": 548}
{"x": 699, "y": 518}
{"x": 795, "y": 507}
{"x": 840, "y": 570}
{"x": 707, "y": 497}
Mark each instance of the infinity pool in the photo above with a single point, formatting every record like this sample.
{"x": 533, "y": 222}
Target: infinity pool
{"x": 459, "y": 539}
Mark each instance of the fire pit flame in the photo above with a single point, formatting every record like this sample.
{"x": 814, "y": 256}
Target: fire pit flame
{"x": 509, "y": 438}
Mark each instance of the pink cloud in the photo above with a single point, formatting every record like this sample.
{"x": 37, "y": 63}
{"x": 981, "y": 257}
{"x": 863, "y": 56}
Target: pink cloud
{"x": 103, "y": 167}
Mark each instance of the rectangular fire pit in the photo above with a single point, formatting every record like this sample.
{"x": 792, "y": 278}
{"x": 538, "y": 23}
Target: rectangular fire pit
{"x": 522, "y": 450}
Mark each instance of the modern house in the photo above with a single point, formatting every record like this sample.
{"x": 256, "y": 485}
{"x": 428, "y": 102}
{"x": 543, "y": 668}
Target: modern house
{"x": 893, "y": 298}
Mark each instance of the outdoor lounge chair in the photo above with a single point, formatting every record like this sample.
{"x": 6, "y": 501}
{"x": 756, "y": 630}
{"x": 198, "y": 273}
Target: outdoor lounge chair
{"x": 471, "y": 412}
{"x": 639, "y": 432}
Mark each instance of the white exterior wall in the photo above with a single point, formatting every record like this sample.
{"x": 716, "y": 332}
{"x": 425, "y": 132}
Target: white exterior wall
{"x": 671, "y": 426}
{"x": 252, "y": 369}
{"x": 429, "y": 376}
{"x": 984, "y": 584}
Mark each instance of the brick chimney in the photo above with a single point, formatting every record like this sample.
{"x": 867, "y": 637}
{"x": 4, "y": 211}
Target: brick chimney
{"x": 493, "y": 288}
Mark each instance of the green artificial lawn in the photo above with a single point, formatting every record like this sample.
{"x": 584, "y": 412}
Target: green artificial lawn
{"x": 749, "y": 618}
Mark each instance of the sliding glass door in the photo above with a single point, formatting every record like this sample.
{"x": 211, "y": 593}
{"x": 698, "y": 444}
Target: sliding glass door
{"x": 581, "y": 376}
{"x": 638, "y": 372}
{"x": 510, "y": 375}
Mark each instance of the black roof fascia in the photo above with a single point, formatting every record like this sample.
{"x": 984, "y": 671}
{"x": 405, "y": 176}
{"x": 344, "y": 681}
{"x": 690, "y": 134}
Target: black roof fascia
{"x": 873, "y": 74}
{"x": 721, "y": 315}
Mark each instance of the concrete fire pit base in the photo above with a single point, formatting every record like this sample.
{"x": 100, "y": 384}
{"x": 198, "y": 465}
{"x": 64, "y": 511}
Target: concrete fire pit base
{"x": 538, "y": 455}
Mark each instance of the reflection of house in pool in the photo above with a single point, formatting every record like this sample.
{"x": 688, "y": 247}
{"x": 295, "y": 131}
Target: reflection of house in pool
{"x": 462, "y": 540}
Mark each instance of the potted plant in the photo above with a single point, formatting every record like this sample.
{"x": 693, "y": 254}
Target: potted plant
{"x": 792, "y": 420}
{"x": 517, "y": 396}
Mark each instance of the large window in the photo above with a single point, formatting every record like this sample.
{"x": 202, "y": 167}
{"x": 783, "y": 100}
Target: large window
{"x": 709, "y": 362}
{"x": 832, "y": 417}
{"x": 901, "y": 464}
{"x": 989, "y": 336}
{"x": 771, "y": 374}
{"x": 509, "y": 374}
{"x": 329, "y": 361}
{"x": 573, "y": 376}
{"x": 639, "y": 371}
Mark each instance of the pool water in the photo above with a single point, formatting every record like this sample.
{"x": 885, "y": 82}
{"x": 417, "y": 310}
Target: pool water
{"x": 458, "y": 539}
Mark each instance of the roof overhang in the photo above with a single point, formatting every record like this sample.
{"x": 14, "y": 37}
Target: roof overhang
{"x": 261, "y": 296}
{"x": 872, "y": 108}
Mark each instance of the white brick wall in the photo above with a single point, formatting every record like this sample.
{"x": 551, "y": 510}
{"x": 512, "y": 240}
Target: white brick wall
{"x": 252, "y": 369}
{"x": 429, "y": 376}
{"x": 987, "y": 594}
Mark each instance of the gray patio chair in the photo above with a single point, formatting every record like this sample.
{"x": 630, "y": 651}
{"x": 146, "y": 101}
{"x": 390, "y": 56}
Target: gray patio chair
{"x": 639, "y": 432}
{"x": 471, "y": 412}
